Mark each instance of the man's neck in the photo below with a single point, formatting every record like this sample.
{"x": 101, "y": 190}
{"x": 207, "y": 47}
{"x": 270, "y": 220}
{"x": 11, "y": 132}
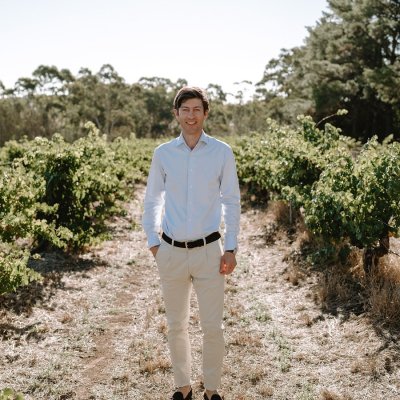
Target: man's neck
{"x": 192, "y": 139}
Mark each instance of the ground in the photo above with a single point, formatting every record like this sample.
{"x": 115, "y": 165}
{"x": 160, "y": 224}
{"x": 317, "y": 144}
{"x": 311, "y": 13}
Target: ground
{"x": 95, "y": 328}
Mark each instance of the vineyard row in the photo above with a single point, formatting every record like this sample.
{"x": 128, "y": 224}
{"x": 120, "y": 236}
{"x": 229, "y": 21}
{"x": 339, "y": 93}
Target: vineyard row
{"x": 59, "y": 194}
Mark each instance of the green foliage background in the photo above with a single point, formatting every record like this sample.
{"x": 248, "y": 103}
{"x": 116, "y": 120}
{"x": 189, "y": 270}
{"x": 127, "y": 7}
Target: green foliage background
{"x": 60, "y": 194}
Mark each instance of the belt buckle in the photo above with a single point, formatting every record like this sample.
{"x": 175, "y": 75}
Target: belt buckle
{"x": 188, "y": 244}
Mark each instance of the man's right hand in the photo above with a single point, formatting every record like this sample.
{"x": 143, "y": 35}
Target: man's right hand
{"x": 154, "y": 250}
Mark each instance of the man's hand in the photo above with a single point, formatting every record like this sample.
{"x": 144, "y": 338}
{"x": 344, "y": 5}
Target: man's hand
{"x": 154, "y": 250}
{"x": 228, "y": 263}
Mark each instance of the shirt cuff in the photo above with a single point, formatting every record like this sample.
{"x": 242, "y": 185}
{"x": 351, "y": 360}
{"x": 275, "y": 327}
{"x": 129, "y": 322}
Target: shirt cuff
{"x": 230, "y": 242}
{"x": 153, "y": 240}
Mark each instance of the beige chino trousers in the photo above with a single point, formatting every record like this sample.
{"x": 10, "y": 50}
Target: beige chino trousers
{"x": 179, "y": 269}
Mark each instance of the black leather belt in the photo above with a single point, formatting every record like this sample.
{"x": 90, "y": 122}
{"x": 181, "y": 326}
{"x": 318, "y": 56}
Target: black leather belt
{"x": 193, "y": 243}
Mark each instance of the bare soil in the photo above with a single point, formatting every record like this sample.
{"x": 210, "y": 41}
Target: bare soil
{"x": 95, "y": 328}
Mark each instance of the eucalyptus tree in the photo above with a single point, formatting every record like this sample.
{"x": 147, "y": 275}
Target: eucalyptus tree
{"x": 158, "y": 96}
{"x": 102, "y": 98}
{"x": 354, "y": 57}
{"x": 51, "y": 80}
{"x": 218, "y": 121}
{"x": 350, "y": 59}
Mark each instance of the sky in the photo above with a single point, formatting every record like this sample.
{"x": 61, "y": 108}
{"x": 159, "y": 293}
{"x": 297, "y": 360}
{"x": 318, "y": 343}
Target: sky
{"x": 221, "y": 42}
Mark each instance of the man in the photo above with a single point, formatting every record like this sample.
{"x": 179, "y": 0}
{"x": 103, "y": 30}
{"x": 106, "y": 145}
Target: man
{"x": 192, "y": 183}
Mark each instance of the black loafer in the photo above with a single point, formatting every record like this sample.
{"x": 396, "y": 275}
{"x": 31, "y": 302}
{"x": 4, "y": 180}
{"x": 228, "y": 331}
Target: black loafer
{"x": 213, "y": 397}
{"x": 179, "y": 396}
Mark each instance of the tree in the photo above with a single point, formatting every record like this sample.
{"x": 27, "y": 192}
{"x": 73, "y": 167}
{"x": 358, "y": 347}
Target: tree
{"x": 51, "y": 81}
{"x": 158, "y": 95}
{"x": 218, "y": 121}
{"x": 351, "y": 59}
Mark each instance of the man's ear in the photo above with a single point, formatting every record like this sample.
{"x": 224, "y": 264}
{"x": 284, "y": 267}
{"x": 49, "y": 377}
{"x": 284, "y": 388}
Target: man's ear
{"x": 205, "y": 114}
{"x": 176, "y": 112}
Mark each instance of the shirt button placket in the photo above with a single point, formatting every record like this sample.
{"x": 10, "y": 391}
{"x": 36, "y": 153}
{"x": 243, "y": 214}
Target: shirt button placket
{"x": 190, "y": 194}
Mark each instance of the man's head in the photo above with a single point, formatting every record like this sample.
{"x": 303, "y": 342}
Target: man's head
{"x": 191, "y": 92}
{"x": 191, "y": 110}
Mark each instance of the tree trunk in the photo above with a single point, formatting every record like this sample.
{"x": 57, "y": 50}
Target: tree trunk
{"x": 372, "y": 255}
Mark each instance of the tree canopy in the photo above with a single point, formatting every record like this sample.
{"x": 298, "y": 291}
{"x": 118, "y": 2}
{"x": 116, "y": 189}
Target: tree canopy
{"x": 351, "y": 60}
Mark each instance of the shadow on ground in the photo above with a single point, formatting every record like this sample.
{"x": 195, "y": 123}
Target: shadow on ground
{"x": 52, "y": 266}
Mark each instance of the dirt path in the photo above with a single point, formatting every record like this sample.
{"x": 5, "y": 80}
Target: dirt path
{"x": 96, "y": 329}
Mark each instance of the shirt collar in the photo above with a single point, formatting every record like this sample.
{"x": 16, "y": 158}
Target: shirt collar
{"x": 203, "y": 138}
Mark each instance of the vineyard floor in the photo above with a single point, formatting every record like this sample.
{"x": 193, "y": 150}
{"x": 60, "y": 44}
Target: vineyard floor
{"x": 95, "y": 328}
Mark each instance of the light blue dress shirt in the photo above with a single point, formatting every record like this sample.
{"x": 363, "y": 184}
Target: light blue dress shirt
{"x": 188, "y": 191}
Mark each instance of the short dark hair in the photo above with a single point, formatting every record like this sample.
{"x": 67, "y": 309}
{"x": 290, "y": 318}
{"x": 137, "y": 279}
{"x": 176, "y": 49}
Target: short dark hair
{"x": 191, "y": 92}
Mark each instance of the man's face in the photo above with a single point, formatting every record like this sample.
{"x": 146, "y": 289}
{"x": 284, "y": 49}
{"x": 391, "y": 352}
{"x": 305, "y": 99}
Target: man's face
{"x": 191, "y": 116}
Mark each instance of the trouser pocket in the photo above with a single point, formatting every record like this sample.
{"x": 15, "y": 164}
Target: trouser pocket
{"x": 163, "y": 255}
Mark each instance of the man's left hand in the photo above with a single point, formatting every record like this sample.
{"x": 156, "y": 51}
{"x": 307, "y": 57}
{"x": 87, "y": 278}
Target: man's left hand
{"x": 228, "y": 263}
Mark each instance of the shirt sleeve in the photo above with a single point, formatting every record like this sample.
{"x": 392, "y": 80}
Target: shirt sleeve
{"x": 230, "y": 199}
{"x": 154, "y": 201}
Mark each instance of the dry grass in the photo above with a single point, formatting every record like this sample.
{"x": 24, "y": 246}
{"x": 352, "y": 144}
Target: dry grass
{"x": 283, "y": 213}
{"x": 339, "y": 289}
{"x": 384, "y": 292}
{"x": 344, "y": 286}
{"x": 294, "y": 274}
{"x": 328, "y": 395}
{"x": 246, "y": 339}
{"x": 151, "y": 366}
